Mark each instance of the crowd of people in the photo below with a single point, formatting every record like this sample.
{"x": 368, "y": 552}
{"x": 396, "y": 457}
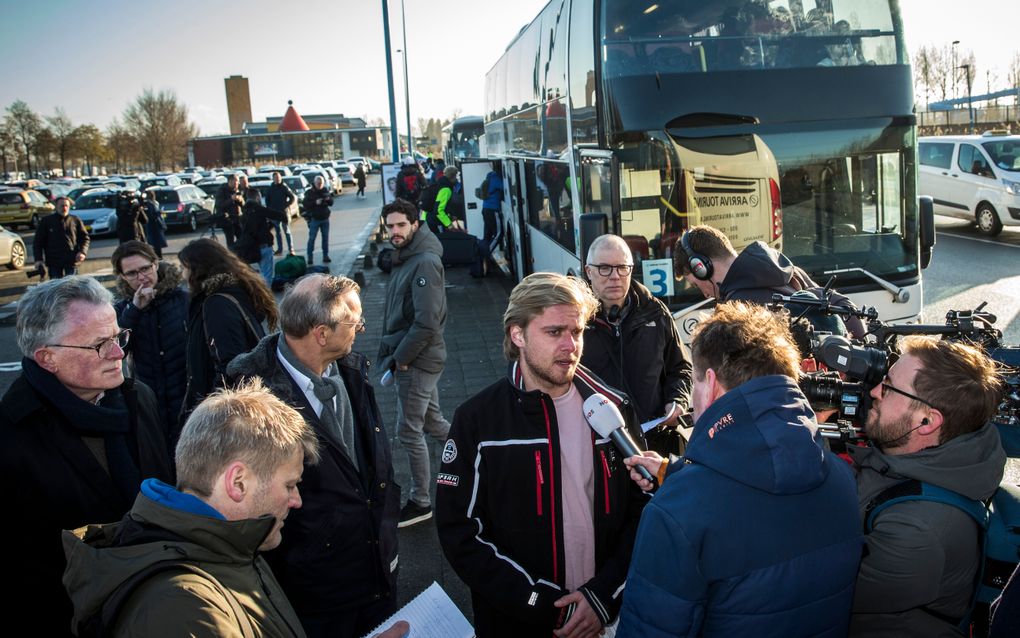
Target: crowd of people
{"x": 239, "y": 479}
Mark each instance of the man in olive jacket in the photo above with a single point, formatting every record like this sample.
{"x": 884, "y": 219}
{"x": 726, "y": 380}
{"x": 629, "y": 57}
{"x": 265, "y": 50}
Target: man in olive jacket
{"x": 412, "y": 346}
{"x": 185, "y": 560}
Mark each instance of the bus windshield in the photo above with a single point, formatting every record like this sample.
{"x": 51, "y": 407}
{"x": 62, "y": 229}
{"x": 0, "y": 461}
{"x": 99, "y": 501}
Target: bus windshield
{"x": 694, "y": 36}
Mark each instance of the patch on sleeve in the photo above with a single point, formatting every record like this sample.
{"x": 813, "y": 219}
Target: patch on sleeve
{"x": 421, "y": 282}
{"x": 447, "y": 479}
{"x": 449, "y": 451}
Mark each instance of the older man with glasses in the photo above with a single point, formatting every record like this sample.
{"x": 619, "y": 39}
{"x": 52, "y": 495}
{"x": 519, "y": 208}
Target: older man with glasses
{"x": 337, "y": 562}
{"x": 76, "y": 437}
{"x": 152, "y": 303}
{"x": 928, "y": 422}
{"x": 632, "y": 344}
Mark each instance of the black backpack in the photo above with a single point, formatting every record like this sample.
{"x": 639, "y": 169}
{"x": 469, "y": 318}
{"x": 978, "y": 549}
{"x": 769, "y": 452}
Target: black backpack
{"x": 427, "y": 201}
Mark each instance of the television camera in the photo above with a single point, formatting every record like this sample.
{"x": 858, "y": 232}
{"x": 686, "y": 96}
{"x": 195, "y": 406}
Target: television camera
{"x": 849, "y": 368}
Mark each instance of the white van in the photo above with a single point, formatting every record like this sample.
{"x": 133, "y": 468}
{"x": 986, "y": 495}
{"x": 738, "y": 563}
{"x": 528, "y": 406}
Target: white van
{"x": 973, "y": 177}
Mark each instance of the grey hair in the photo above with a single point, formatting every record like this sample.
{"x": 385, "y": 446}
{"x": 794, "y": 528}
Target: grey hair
{"x": 303, "y": 307}
{"x": 247, "y": 424}
{"x": 43, "y": 309}
{"x": 319, "y": 180}
{"x": 605, "y": 241}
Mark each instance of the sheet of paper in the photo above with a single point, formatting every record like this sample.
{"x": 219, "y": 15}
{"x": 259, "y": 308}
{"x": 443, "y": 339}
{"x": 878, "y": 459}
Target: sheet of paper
{"x": 431, "y": 615}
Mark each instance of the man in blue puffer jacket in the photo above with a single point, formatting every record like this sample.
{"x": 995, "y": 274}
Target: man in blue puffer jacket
{"x": 755, "y": 531}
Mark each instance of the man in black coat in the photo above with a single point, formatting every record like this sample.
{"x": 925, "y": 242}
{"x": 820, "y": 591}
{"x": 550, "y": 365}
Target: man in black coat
{"x": 76, "y": 438}
{"x": 229, "y": 208}
{"x": 61, "y": 241}
{"x": 633, "y": 344}
{"x": 131, "y": 217}
{"x": 279, "y": 197}
{"x": 338, "y": 559}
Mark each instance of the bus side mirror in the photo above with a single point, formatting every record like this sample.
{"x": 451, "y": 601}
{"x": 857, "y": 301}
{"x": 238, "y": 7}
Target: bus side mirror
{"x": 926, "y": 228}
{"x": 592, "y": 225}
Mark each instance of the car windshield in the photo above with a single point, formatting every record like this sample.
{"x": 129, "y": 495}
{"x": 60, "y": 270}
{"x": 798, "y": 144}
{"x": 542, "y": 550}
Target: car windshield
{"x": 296, "y": 182}
{"x": 167, "y": 197}
{"x": 1005, "y": 154}
{"x": 98, "y": 200}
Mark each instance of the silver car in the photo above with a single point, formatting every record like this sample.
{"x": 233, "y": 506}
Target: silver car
{"x": 12, "y": 249}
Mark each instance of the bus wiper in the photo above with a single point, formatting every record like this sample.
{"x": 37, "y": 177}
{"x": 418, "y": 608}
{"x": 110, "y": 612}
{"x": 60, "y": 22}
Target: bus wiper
{"x": 699, "y": 120}
{"x": 900, "y": 295}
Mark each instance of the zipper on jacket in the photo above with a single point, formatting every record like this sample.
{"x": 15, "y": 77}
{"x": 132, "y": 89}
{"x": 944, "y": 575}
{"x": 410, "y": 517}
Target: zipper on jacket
{"x": 539, "y": 482}
{"x": 552, "y": 495}
{"x": 605, "y": 478}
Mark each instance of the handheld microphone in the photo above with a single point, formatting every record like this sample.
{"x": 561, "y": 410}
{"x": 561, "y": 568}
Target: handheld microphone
{"x": 604, "y": 417}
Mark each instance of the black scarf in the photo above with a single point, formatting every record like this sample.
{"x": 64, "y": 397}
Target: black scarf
{"x": 111, "y": 420}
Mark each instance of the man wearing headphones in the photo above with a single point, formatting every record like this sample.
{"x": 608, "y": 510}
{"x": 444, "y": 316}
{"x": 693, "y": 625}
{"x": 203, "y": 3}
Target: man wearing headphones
{"x": 928, "y": 423}
{"x": 706, "y": 259}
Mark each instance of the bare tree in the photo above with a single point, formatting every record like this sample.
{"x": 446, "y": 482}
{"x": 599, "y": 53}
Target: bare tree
{"x": 63, "y": 131}
{"x": 44, "y": 147}
{"x": 1013, "y": 74}
{"x": 8, "y": 146}
{"x": 923, "y": 73}
{"x": 159, "y": 123}
{"x": 92, "y": 146}
{"x": 122, "y": 146}
{"x": 24, "y": 125}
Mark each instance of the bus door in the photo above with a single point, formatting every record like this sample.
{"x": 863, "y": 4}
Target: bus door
{"x": 598, "y": 186}
{"x": 515, "y": 238}
{"x": 472, "y": 174}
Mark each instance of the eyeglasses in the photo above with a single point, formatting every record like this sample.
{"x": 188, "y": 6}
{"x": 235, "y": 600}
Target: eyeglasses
{"x": 359, "y": 325}
{"x": 104, "y": 349}
{"x": 144, "y": 270}
{"x": 888, "y": 386}
{"x": 606, "y": 269}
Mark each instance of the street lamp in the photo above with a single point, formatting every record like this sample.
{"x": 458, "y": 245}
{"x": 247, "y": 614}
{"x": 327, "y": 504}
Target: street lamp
{"x": 970, "y": 104}
{"x": 407, "y": 92}
{"x": 955, "y": 44}
{"x": 395, "y": 137}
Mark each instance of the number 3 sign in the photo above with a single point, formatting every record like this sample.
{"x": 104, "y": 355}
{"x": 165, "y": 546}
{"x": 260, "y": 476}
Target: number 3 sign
{"x": 658, "y": 276}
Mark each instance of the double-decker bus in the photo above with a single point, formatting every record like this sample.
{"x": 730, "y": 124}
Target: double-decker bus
{"x": 462, "y": 139}
{"x": 785, "y": 121}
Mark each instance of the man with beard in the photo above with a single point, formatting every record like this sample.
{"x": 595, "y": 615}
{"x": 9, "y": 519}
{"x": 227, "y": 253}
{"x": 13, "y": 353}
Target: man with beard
{"x": 412, "y": 346}
{"x": 535, "y": 513}
{"x": 929, "y": 422}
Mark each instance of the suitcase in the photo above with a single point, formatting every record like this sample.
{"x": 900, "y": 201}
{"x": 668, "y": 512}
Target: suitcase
{"x": 459, "y": 249}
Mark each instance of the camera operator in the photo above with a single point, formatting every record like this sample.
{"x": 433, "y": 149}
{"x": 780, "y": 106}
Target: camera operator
{"x": 61, "y": 242}
{"x": 131, "y": 217}
{"x": 229, "y": 207}
{"x": 255, "y": 243}
{"x": 929, "y": 421}
{"x": 705, "y": 258}
{"x": 755, "y": 532}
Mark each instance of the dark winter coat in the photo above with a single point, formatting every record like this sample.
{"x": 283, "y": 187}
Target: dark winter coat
{"x": 754, "y": 533}
{"x": 279, "y": 197}
{"x": 155, "y": 228}
{"x": 228, "y": 210}
{"x": 177, "y": 603}
{"x": 56, "y": 482}
{"x": 257, "y": 222}
{"x": 415, "y": 314}
{"x": 760, "y": 271}
{"x": 317, "y": 203}
{"x": 339, "y": 550}
{"x": 498, "y": 506}
{"x": 359, "y": 175}
{"x": 410, "y": 183}
{"x": 642, "y": 355}
{"x": 218, "y": 331}
{"x": 158, "y": 339}
{"x": 922, "y": 557}
{"x": 131, "y": 221}
{"x": 59, "y": 238}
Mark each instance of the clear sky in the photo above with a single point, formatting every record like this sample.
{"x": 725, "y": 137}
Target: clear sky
{"x": 327, "y": 55}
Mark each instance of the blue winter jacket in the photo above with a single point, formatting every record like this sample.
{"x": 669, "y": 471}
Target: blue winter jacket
{"x": 755, "y": 533}
{"x": 493, "y": 201}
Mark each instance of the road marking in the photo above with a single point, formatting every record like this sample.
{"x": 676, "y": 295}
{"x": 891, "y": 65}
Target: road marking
{"x": 983, "y": 241}
{"x": 10, "y": 366}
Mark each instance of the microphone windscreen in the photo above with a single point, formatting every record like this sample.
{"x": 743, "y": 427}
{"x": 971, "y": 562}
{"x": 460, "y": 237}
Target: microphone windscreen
{"x": 602, "y": 414}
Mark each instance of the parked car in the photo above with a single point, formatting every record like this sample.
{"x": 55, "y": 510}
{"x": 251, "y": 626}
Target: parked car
{"x": 299, "y": 185}
{"x": 23, "y": 206}
{"x": 12, "y": 249}
{"x": 75, "y": 193}
{"x": 269, "y": 169}
{"x": 973, "y": 177}
{"x": 161, "y": 180}
{"x": 311, "y": 173}
{"x": 357, "y": 159}
{"x": 185, "y": 206}
{"x": 97, "y": 209}
{"x": 129, "y": 183}
{"x": 210, "y": 185}
{"x": 52, "y": 191}
{"x": 345, "y": 171}
{"x": 189, "y": 178}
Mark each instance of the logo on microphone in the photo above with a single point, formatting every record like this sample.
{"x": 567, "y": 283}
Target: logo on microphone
{"x": 718, "y": 426}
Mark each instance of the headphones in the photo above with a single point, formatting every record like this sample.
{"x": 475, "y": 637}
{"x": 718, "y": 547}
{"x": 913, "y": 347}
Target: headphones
{"x": 699, "y": 265}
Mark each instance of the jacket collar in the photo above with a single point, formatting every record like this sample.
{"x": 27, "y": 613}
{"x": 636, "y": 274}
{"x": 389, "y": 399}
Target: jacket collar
{"x": 586, "y": 382}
